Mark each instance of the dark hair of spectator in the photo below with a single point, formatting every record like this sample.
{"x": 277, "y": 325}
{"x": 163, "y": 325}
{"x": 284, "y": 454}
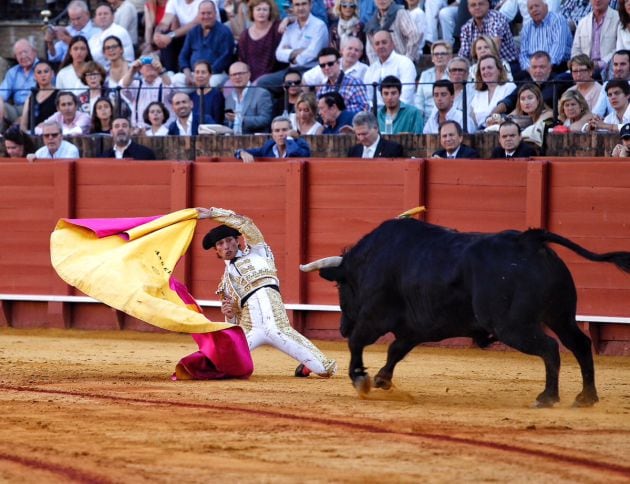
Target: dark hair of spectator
{"x": 19, "y": 137}
{"x": 96, "y": 126}
{"x": 93, "y": 66}
{"x": 334, "y": 99}
{"x": 445, "y": 83}
{"x": 539, "y": 54}
{"x": 273, "y": 9}
{"x": 165, "y": 113}
{"x": 328, "y": 51}
{"x": 625, "y": 52}
{"x": 509, "y": 122}
{"x": 205, "y": 63}
{"x": 581, "y": 60}
{"x": 624, "y": 18}
{"x": 294, "y": 71}
{"x": 391, "y": 81}
{"x": 458, "y": 127}
{"x": 66, "y": 93}
{"x": 104, "y": 4}
{"x": 620, "y": 83}
{"x": 67, "y": 60}
{"x": 115, "y": 39}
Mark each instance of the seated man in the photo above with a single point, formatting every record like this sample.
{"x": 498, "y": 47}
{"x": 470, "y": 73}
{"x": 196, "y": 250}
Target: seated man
{"x": 352, "y": 90}
{"x": 186, "y": 121}
{"x": 396, "y": 117}
{"x": 371, "y": 145}
{"x": 55, "y": 147}
{"x": 444, "y": 110}
{"x": 511, "y": 143}
{"x": 332, "y": 110}
{"x": 58, "y": 38}
{"x": 68, "y": 116}
{"x": 104, "y": 19}
{"x": 451, "y": 137}
{"x": 248, "y": 109}
{"x": 210, "y": 40}
{"x": 152, "y": 85}
{"x": 618, "y": 92}
{"x": 621, "y": 150}
{"x": 279, "y": 146}
{"x": 351, "y": 52}
{"x": 124, "y": 147}
{"x": 18, "y": 81}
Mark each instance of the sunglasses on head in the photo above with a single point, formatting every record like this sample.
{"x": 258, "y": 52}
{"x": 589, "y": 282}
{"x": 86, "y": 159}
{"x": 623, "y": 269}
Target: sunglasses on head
{"x": 348, "y": 5}
{"x": 327, "y": 64}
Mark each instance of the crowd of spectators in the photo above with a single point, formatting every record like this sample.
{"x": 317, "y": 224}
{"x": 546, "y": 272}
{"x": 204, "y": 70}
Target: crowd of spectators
{"x": 521, "y": 68}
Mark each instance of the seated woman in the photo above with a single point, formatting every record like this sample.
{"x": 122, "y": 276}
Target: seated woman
{"x": 491, "y": 85}
{"x": 347, "y": 23}
{"x": 69, "y": 76}
{"x": 17, "y": 144}
{"x": 531, "y": 106}
{"x": 40, "y": 105}
{"x": 94, "y": 77}
{"x": 304, "y": 120}
{"x": 257, "y": 45}
{"x": 485, "y": 45}
{"x": 113, "y": 51}
{"x": 574, "y": 112}
{"x": 155, "y": 117}
{"x": 582, "y": 68}
{"x": 206, "y": 100}
{"x": 441, "y": 54}
{"x": 292, "y": 84}
{"x": 102, "y": 116}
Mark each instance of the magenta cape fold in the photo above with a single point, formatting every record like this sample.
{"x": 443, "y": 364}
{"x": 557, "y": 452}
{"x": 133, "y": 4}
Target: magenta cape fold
{"x": 223, "y": 352}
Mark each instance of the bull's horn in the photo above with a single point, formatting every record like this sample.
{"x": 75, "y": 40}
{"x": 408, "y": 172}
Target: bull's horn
{"x": 334, "y": 261}
{"x": 411, "y": 212}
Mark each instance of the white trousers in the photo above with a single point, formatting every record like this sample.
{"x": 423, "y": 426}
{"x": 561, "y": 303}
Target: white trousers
{"x": 265, "y": 321}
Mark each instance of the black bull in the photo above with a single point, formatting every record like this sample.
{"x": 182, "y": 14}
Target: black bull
{"x": 424, "y": 283}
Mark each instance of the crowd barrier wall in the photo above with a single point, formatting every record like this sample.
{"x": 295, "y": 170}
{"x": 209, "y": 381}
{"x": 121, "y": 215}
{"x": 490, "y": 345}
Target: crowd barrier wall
{"x": 309, "y": 209}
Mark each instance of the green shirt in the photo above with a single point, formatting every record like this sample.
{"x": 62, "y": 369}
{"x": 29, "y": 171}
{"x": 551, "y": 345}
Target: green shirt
{"x": 408, "y": 120}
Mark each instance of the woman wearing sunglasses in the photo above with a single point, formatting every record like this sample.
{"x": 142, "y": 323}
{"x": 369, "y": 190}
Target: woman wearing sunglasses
{"x": 346, "y": 24}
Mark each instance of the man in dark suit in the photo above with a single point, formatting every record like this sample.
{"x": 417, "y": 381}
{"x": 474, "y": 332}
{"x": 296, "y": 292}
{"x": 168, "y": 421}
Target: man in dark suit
{"x": 371, "y": 144}
{"x": 511, "y": 145}
{"x": 124, "y": 147}
{"x": 279, "y": 146}
{"x": 451, "y": 137}
{"x": 186, "y": 122}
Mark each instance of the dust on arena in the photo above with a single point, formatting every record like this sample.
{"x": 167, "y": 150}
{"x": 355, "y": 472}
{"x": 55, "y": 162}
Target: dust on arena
{"x": 87, "y": 406}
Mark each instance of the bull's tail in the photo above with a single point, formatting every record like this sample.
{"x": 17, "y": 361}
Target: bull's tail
{"x": 620, "y": 259}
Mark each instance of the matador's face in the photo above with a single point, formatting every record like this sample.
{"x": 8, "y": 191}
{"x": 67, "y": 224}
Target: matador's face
{"x": 227, "y": 248}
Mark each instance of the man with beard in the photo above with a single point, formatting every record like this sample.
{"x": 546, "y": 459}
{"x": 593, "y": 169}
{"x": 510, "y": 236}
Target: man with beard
{"x": 186, "y": 122}
{"x": 124, "y": 147}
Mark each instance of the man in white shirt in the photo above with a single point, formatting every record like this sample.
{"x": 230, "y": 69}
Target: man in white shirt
{"x": 618, "y": 92}
{"x": 57, "y": 39}
{"x": 104, "y": 19}
{"x": 444, "y": 110}
{"x": 299, "y": 46}
{"x": 126, "y": 15}
{"x": 351, "y": 52}
{"x": 390, "y": 63}
{"x": 55, "y": 146}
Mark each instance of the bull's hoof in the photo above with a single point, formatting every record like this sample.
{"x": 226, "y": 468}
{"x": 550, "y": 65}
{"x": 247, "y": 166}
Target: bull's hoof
{"x": 382, "y": 382}
{"x": 586, "y": 399}
{"x": 362, "y": 384}
{"x": 545, "y": 401}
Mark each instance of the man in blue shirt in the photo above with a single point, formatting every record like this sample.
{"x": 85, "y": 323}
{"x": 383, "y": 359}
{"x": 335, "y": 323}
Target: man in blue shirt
{"x": 58, "y": 38}
{"x": 279, "y": 146}
{"x": 18, "y": 81}
{"x": 211, "y": 41}
{"x": 335, "y": 118}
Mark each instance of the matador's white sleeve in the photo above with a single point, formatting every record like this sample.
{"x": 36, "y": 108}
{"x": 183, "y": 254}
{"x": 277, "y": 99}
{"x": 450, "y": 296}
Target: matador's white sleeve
{"x": 243, "y": 224}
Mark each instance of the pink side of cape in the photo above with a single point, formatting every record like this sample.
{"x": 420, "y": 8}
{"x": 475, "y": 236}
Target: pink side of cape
{"x": 104, "y": 227}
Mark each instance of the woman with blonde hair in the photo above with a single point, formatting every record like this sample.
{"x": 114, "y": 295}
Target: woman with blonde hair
{"x": 491, "y": 85}
{"x": 257, "y": 44}
{"x": 581, "y": 67}
{"x": 486, "y": 45}
{"x": 303, "y": 120}
{"x": 573, "y": 111}
{"x": 346, "y": 23}
{"x": 441, "y": 54}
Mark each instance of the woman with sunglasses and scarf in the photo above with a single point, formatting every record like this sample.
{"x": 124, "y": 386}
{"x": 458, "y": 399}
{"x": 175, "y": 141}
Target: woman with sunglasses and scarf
{"x": 347, "y": 23}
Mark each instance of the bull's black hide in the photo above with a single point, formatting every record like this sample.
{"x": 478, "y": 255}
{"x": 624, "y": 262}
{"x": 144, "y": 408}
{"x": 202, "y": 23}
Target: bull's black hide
{"x": 423, "y": 283}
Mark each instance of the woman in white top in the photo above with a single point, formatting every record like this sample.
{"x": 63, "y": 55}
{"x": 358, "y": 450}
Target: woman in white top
{"x": 303, "y": 120}
{"x": 441, "y": 54}
{"x": 581, "y": 67}
{"x": 69, "y": 76}
{"x": 118, "y": 65}
{"x": 155, "y": 117}
{"x": 485, "y": 45}
{"x": 491, "y": 85}
{"x": 623, "y": 30}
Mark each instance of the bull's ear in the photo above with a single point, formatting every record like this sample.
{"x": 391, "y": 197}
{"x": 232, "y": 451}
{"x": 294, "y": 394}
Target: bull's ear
{"x": 335, "y": 274}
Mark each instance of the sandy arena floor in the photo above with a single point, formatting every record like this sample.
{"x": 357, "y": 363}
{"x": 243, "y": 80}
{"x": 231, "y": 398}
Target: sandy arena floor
{"x": 99, "y": 407}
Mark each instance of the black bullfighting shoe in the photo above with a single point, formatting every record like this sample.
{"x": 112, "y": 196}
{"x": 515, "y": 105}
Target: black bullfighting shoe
{"x": 302, "y": 371}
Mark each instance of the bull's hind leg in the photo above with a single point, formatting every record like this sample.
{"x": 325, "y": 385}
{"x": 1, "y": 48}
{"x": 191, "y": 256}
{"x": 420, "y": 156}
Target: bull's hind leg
{"x": 396, "y": 352}
{"x": 533, "y": 341}
{"x": 579, "y": 344}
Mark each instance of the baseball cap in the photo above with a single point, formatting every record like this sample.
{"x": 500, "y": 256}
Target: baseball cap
{"x": 624, "y": 132}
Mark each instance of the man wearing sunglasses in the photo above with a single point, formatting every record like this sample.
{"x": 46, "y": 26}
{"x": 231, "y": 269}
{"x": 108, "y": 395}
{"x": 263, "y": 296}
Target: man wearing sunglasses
{"x": 351, "y": 51}
{"x": 352, "y": 90}
{"x": 55, "y": 146}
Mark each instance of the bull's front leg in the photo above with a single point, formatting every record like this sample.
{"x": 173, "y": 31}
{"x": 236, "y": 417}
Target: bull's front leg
{"x": 396, "y": 352}
{"x": 358, "y": 375}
